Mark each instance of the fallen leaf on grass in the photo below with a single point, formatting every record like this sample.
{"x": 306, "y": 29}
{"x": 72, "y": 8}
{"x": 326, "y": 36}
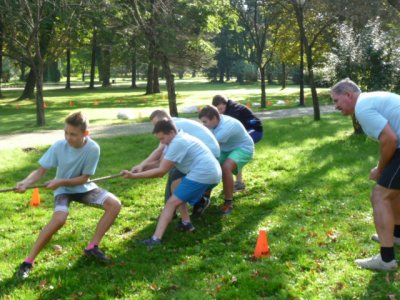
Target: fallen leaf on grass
{"x": 42, "y": 284}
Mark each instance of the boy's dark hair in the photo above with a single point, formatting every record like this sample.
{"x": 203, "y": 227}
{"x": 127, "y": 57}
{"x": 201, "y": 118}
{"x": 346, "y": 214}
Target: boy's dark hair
{"x": 159, "y": 114}
{"x": 219, "y": 99}
{"x": 164, "y": 126}
{"x": 209, "y": 112}
{"x": 77, "y": 119}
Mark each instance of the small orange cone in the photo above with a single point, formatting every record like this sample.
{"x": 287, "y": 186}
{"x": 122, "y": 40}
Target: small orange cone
{"x": 248, "y": 104}
{"x": 71, "y": 103}
{"x": 17, "y": 106}
{"x": 35, "y": 201}
{"x": 262, "y": 248}
{"x": 269, "y": 103}
{"x": 44, "y": 105}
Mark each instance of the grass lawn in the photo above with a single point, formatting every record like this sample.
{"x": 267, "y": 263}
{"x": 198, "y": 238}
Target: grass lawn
{"x": 102, "y": 105}
{"x": 308, "y": 186}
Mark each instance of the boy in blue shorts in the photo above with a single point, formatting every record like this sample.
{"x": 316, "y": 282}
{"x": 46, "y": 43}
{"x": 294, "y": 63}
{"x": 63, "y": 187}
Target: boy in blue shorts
{"x": 75, "y": 158}
{"x": 191, "y": 157}
{"x": 193, "y": 128}
{"x": 237, "y": 148}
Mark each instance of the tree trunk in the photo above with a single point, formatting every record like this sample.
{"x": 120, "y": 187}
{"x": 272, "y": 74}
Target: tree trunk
{"x": 150, "y": 77}
{"x": 317, "y": 115}
{"x": 40, "y": 118}
{"x": 1, "y": 56}
{"x": 29, "y": 90}
{"x": 156, "y": 82}
{"x": 93, "y": 60}
{"x": 68, "y": 84}
{"x": 263, "y": 85}
{"x": 357, "y": 127}
{"x": 283, "y": 76}
{"x": 133, "y": 69}
{"x": 106, "y": 67}
{"x": 22, "y": 68}
{"x": 169, "y": 77}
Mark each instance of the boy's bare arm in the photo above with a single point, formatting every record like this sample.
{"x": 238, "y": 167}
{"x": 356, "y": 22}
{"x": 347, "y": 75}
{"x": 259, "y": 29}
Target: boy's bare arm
{"x": 35, "y": 176}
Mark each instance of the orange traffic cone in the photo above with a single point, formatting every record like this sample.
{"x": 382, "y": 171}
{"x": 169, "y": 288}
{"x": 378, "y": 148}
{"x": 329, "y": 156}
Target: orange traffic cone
{"x": 269, "y": 103}
{"x": 44, "y": 105}
{"x": 248, "y": 104}
{"x": 17, "y": 106}
{"x": 71, "y": 103}
{"x": 262, "y": 248}
{"x": 35, "y": 201}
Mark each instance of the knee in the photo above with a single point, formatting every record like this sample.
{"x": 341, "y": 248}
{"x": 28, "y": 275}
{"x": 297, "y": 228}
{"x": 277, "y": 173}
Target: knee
{"x": 59, "y": 219}
{"x": 112, "y": 204}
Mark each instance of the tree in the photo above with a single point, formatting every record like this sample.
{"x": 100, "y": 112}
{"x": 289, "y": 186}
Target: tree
{"x": 259, "y": 21}
{"x": 30, "y": 26}
{"x": 1, "y": 54}
{"x": 173, "y": 31}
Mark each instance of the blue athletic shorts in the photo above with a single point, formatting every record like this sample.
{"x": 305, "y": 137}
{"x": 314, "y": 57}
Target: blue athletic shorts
{"x": 390, "y": 177}
{"x": 255, "y": 135}
{"x": 95, "y": 197}
{"x": 190, "y": 191}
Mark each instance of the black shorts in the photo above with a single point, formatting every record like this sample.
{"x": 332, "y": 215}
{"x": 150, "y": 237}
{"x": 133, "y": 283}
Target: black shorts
{"x": 390, "y": 177}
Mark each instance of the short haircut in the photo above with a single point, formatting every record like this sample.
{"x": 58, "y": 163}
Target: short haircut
{"x": 159, "y": 114}
{"x": 209, "y": 112}
{"x": 164, "y": 126}
{"x": 77, "y": 119}
{"x": 219, "y": 99}
{"x": 344, "y": 86}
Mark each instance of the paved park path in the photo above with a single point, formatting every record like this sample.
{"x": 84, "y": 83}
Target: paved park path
{"x": 47, "y": 137}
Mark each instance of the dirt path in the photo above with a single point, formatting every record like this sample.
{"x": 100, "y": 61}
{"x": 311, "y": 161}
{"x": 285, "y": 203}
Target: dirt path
{"x": 47, "y": 137}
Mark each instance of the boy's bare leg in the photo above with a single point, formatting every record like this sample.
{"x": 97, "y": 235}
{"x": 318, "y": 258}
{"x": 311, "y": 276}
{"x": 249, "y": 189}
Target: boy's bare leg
{"x": 57, "y": 221}
{"x": 227, "y": 178}
{"x": 166, "y": 216}
{"x": 112, "y": 207}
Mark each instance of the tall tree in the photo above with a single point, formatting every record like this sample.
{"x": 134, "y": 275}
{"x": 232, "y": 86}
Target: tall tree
{"x": 1, "y": 54}
{"x": 260, "y": 23}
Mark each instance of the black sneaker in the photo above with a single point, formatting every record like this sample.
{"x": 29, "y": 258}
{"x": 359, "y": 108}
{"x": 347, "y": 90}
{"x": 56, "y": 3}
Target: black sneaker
{"x": 24, "y": 269}
{"x": 185, "y": 227}
{"x": 97, "y": 253}
{"x": 201, "y": 206}
{"x": 151, "y": 242}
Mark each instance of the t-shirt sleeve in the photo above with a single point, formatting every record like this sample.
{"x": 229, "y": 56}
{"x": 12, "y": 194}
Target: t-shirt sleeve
{"x": 371, "y": 121}
{"x": 49, "y": 160}
{"x": 176, "y": 152}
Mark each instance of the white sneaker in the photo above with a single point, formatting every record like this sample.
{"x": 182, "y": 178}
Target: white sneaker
{"x": 375, "y": 238}
{"x": 376, "y": 263}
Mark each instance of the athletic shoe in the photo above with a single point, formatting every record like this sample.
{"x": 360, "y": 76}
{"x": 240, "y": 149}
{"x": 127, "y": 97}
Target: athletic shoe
{"x": 185, "y": 227}
{"x": 376, "y": 263}
{"x": 151, "y": 242}
{"x": 375, "y": 238}
{"x": 23, "y": 270}
{"x": 201, "y": 206}
{"x": 97, "y": 253}
{"x": 226, "y": 209}
{"x": 239, "y": 186}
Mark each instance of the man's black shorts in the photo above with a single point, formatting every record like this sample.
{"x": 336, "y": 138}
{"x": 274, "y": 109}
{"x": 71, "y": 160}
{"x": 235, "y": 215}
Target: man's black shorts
{"x": 390, "y": 177}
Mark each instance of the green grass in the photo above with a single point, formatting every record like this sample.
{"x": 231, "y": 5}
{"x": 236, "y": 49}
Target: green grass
{"x": 102, "y": 105}
{"x": 308, "y": 186}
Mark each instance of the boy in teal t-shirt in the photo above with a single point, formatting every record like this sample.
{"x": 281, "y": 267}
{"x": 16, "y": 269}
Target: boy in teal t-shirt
{"x": 76, "y": 159}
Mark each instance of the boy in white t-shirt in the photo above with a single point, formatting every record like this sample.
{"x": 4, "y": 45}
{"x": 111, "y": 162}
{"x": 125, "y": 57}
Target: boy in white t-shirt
{"x": 191, "y": 157}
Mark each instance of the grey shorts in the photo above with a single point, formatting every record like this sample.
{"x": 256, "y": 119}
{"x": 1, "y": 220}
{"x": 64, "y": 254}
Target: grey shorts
{"x": 94, "y": 198}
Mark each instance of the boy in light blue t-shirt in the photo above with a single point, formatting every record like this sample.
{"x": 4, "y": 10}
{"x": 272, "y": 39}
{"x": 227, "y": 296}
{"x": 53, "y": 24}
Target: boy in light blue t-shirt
{"x": 237, "y": 148}
{"x": 191, "y": 157}
{"x": 76, "y": 159}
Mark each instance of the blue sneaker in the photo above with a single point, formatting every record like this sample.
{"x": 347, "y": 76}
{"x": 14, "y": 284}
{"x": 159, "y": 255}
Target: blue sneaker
{"x": 96, "y": 253}
{"x": 151, "y": 242}
{"x": 185, "y": 227}
{"x": 23, "y": 270}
